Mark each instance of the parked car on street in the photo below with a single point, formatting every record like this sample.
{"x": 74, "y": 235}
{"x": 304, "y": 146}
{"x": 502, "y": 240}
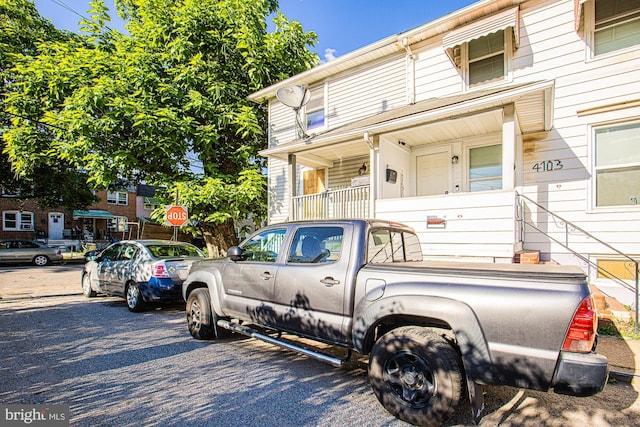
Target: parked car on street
{"x": 141, "y": 271}
{"x": 17, "y": 251}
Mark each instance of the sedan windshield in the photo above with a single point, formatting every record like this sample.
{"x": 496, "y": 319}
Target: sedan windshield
{"x": 174, "y": 251}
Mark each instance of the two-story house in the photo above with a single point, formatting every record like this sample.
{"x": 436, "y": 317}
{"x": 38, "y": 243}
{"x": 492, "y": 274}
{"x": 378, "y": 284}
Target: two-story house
{"x": 504, "y": 127}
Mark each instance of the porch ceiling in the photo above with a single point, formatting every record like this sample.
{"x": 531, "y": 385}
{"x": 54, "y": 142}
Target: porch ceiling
{"x": 433, "y": 120}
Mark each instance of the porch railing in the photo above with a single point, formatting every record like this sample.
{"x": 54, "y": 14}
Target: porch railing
{"x": 344, "y": 203}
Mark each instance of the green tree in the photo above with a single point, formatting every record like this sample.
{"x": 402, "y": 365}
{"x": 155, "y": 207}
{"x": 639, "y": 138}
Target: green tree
{"x": 166, "y": 104}
{"x": 52, "y": 182}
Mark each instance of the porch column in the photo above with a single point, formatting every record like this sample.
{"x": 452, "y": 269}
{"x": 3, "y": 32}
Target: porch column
{"x": 293, "y": 185}
{"x": 509, "y": 130}
{"x": 374, "y": 148}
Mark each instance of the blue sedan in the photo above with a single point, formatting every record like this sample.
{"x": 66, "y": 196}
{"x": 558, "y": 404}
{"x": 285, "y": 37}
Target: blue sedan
{"x": 141, "y": 271}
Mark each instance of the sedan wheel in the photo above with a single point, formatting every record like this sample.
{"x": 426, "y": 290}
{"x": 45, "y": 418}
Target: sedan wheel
{"x": 134, "y": 297}
{"x": 41, "y": 260}
{"x": 86, "y": 287}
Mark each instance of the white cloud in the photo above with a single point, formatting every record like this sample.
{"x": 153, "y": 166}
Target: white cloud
{"x": 329, "y": 54}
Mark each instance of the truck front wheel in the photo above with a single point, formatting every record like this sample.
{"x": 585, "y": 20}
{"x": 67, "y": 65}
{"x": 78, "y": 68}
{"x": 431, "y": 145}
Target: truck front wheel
{"x": 201, "y": 319}
{"x": 415, "y": 374}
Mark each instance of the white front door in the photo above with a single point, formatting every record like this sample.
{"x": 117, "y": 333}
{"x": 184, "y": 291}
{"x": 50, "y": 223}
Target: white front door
{"x": 432, "y": 174}
{"x": 56, "y": 225}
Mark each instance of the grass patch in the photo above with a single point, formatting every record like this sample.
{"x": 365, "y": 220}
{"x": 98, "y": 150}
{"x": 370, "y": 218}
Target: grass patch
{"x": 617, "y": 328}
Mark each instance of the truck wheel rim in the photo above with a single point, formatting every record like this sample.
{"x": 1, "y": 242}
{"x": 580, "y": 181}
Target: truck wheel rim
{"x": 410, "y": 378}
{"x": 194, "y": 315}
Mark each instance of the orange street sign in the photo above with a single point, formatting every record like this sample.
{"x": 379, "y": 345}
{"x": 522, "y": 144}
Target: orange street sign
{"x": 176, "y": 216}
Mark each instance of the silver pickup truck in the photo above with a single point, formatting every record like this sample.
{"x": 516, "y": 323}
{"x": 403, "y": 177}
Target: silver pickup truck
{"x": 431, "y": 329}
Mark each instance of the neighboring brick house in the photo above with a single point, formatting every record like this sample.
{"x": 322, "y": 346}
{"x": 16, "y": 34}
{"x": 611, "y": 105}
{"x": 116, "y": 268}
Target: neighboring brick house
{"x": 111, "y": 216}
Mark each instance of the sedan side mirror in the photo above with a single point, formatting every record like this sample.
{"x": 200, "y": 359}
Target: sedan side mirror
{"x": 235, "y": 253}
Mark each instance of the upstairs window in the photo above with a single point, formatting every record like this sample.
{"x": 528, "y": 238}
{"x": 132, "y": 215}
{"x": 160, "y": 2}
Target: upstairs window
{"x": 482, "y": 50}
{"x": 617, "y": 25}
{"x": 314, "y": 110}
{"x": 617, "y": 165}
{"x": 486, "y": 59}
{"x": 118, "y": 198}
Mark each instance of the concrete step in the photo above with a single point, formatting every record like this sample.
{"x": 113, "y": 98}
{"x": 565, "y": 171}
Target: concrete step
{"x": 610, "y": 308}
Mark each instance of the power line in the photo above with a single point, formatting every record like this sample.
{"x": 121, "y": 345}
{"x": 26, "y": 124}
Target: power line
{"x": 69, "y": 8}
{"x": 72, "y": 10}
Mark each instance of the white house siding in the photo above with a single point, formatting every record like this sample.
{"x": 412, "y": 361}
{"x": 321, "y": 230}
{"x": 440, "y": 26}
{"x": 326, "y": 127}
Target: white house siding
{"x": 341, "y": 173}
{"x": 436, "y": 77}
{"x": 580, "y": 83}
{"x": 282, "y": 125}
{"x": 478, "y": 226}
{"x": 278, "y": 193}
{"x": 367, "y": 91}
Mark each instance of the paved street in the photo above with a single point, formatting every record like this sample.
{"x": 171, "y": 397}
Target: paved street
{"x": 114, "y": 367}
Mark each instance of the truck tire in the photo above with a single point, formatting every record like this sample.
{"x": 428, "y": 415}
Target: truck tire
{"x": 201, "y": 319}
{"x": 415, "y": 374}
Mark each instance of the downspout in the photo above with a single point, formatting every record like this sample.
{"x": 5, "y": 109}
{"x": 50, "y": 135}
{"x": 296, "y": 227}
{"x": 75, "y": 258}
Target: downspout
{"x": 373, "y": 172}
{"x": 410, "y": 72}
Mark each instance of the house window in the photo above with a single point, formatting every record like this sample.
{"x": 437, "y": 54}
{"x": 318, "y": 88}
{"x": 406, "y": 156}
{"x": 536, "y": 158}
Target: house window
{"x": 617, "y": 25}
{"x": 617, "y": 165}
{"x": 485, "y": 168}
{"x": 17, "y": 221}
{"x": 150, "y": 203}
{"x": 118, "y": 198}
{"x": 486, "y": 59}
{"x": 119, "y": 223}
{"x": 315, "y": 109}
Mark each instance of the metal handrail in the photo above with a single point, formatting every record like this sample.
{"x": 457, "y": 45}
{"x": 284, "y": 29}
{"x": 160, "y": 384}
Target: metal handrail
{"x": 570, "y": 226}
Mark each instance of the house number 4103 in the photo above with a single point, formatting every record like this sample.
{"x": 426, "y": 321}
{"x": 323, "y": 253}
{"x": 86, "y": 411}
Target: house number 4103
{"x": 548, "y": 165}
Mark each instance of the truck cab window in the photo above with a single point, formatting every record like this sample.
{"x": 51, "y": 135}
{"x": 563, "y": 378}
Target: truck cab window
{"x": 312, "y": 245}
{"x": 392, "y": 246}
{"x": 264, "y": 247}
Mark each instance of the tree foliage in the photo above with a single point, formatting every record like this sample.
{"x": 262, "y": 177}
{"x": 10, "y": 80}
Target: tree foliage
{"x": 165, "y": 104}
{"x": 23, "y": 34}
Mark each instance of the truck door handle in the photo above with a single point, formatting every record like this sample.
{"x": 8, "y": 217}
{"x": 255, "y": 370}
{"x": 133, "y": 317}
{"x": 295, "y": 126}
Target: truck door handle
{"x": 329, "y": 281}
{"x": 266, "y": 275}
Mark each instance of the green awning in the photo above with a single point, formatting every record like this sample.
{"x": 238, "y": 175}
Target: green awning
{"x": 151, "y": 201}
{"x": 92, "y": 213}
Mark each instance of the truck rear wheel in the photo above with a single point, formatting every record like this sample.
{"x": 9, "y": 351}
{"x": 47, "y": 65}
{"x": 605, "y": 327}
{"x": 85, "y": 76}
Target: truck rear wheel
{"x": 201, "y": 319}
{"x": 415, "y": 374}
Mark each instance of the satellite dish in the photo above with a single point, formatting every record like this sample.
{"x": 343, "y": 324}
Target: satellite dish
{"x": 293, "y": 96}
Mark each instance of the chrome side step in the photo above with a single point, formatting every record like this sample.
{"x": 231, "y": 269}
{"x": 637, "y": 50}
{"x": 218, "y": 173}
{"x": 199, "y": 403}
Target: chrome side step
{"x": 245, "y": 330}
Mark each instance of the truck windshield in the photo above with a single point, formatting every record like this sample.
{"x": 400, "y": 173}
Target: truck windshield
{"x": 393, "y": 246}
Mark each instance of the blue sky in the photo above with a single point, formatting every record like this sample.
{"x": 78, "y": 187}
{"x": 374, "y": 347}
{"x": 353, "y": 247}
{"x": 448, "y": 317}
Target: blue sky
{"x": 342, "y": 26}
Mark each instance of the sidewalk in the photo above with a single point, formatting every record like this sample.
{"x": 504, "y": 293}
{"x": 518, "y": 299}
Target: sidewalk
{"x": 623, "y": 355}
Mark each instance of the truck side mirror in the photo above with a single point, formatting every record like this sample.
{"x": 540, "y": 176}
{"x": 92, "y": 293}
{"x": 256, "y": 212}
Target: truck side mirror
{"x": 235, "y": 253}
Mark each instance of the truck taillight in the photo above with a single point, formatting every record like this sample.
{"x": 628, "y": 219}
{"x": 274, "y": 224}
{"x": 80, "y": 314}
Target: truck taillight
{"x": 159, "y": 270}
{"x": 582, "y": 331}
